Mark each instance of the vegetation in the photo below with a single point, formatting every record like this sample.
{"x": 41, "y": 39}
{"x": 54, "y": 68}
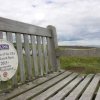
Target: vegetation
{"x": 81, "y": 64}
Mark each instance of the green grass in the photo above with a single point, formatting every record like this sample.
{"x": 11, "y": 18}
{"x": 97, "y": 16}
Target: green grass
{"x": 87, "y": 64}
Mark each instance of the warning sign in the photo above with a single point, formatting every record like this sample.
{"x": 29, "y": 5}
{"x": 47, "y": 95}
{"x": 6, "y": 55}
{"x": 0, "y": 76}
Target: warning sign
{"x": 8, "y": 60}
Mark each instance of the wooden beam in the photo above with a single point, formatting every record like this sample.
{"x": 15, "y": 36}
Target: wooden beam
{"x": 54, "y": 46}
{"x": 20, "y": 27}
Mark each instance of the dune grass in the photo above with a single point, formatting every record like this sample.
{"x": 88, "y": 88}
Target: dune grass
{"x": 86, "y": 64}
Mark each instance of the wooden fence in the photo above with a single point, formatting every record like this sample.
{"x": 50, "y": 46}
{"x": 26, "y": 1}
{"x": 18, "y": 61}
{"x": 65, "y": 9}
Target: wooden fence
{"x": 90, "y": 52}
{"x": 41, "y": 41}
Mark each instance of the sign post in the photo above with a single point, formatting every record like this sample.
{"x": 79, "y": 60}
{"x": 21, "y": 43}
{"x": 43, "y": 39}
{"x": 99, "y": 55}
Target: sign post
{"x": 8, "y": 60}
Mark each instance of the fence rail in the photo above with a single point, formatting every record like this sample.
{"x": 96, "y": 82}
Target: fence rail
{"x": 92, "y": 52}
{"x": 20, "y": 27}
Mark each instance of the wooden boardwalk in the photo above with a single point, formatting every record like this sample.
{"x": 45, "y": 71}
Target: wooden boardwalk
{"x": 58, "y": 86}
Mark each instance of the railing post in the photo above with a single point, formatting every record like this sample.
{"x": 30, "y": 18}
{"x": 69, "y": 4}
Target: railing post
{"x": 1, "y": 35}
{"x": 54, "y": 46}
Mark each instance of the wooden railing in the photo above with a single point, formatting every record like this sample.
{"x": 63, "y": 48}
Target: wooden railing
{"x": 41, "y": 41}
{"x": 44, "y": 55}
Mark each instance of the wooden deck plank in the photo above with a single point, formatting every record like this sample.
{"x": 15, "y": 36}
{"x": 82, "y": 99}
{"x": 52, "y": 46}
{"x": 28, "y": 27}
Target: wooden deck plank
{"x": 42, "y": 87}
{"x": 55, "y": 88}
{"x": 67, "y": 89}
{"x": 30, "y": 85}
{"x": 98, "y": 95}
{"x": 79, "y": 89}
{"x": 89, "y": 92}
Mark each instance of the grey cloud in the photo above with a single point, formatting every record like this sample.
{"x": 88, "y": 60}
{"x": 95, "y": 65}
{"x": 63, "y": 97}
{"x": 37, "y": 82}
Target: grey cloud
{"x": 68, "y": 38}
{"x": 89, "y": 28}
{"x": 49, "y": 1}
{"x": 86, "y": 29}
{"x": 34, "y": 6}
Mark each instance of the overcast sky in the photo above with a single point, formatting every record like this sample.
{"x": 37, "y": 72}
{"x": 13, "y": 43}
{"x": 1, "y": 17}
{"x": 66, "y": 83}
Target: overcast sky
{"x": 77, "y": 21}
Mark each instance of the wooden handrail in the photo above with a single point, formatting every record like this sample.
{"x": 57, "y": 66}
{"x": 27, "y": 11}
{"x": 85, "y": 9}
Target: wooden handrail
{"x": 8, "y": 25}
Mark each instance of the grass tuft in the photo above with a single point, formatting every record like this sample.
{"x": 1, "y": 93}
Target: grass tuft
{"x": 81, "y": 64}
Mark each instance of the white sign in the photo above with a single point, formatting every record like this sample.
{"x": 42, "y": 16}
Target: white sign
{"x": 8, "y": 60}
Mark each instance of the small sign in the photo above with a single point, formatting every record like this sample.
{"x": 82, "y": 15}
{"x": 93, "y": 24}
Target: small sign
{"x": 8, "y": 60}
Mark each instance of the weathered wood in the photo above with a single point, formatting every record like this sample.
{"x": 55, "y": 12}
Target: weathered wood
{"x": 89, "y": 92}
{"x": 41, "y": 88}
{"x": 27, "y": 57}
{"x": 10, "y": 39}
{"x": 46, "y": 94}
{"x": 54, "y": 46}
{"x": 20, "y": 27}
{"x": 3, "y": 85}
{"x": 45, "y": 55}
{"x": 20, "y": 57}
{"x": 98, "y": 95}
{"x": 34, "y": 55}
{"x": 23, "y": 88}
{"x": 74, "y": 95}
{"x": 56, "y": 86}
{"x": 49, "y": 55}
{"x": 40, "y": 55}
{"x": 1, "y": 35}
{"x": 67, "y": 89}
